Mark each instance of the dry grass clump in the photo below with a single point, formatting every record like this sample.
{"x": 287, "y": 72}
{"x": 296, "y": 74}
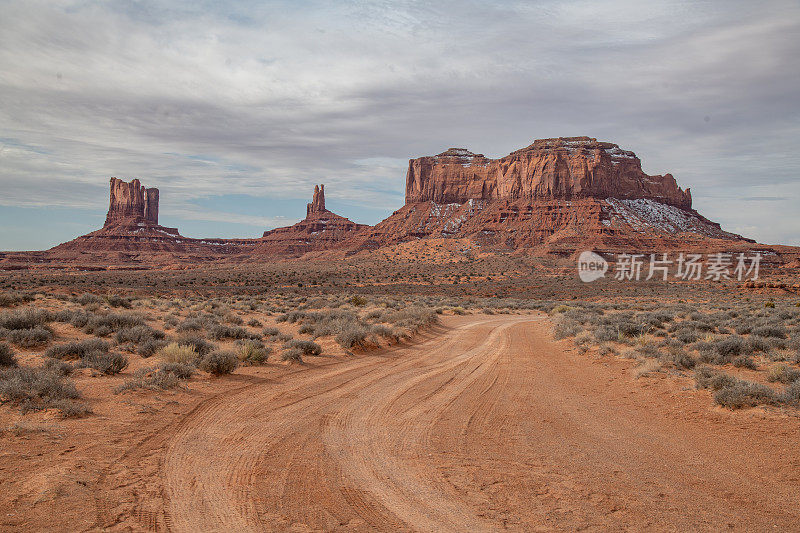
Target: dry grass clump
{"x": 178, "y": 353}
{"x": 253, "y": 353}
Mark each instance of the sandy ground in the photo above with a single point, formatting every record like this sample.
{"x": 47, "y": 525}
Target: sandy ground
{"x": 484, "y": 424}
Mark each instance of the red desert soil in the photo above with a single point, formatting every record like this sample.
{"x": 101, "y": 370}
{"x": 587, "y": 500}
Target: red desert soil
{"x": 487, "y": 424}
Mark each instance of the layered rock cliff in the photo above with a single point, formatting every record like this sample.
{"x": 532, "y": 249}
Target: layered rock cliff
{"x": 562, "y": 168}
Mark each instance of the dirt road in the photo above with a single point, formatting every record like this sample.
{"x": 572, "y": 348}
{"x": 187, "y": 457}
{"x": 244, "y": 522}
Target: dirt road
{"x": 486, "y": 426}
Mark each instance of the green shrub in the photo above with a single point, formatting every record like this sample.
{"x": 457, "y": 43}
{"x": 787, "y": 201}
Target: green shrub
{"x": 219, "y": 362}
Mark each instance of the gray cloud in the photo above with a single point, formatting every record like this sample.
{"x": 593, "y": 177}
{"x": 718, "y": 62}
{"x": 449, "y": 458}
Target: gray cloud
{"x": 265, "y": 99}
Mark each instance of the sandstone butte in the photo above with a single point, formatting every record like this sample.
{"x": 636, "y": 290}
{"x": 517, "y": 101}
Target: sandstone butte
{"x": 320, "y": 230}
{"x": 557, "y": 196}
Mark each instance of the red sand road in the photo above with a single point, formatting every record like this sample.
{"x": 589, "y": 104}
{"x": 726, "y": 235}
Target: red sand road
{"x": 486, "y": 426}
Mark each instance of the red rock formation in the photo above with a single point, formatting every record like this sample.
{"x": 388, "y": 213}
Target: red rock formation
{"x": 562, "y": 168}
{"x": 556, "y": 195}
{"x": 320, "y": 230}
{"x": 317, "y": 204}
{"x": 132, "y": 203}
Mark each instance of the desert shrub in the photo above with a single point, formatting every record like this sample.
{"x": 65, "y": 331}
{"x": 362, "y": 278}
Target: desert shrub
{"x": 792, "y": 393}
{"x": 744, "y": 394}
{"x": 76, "y": 349}
{"x": 708, "y": 378}
{"x": 26, "y": 318}
{"x": 7, "y": 299}
{"x": 104, "y": 325}
{"x": 88, "y": 298}
{"x": 270, "y": 332}
{"x": 219, "y": 362}
{"x": 220, "y": 332}
{"x": 607, "y": 349}
{"x": 104, "y": 362}
{"x": 307, "y": 329}
{"x": 566, "y": 328}
{"x": 254, "y": 323}
{"x": 729, "y": 346}
{"x": 606, "y": 333}
{"x": 744, "y": 361}
{"x": 149, "y": 347}
{"x": 200, "y": 345}
{"x": 292, "y": 354}
{"x": 687, "y": 336}
{"x": 31, "y": 338}
{"x": 138, "y": 334}
{"x": 178, "y": 353}
{"x": 119, "y": 301}
{"x": 58, "y": 366}
{"x": 757, "y": 344}
{"x": 307, "y": 347}
{"x": 7, "y": 355}
{"x": 190, "y": 324}
{"x": 166, "y": 377}
{"x": 385, "y": 332}
{"x": 770, "y": 330}
{"x": 352, "y": 335}
{"x": 783, "y": 374}
{"x": 180, "y": 370}
{"x": 680, "y": 359}
{"x": 39, "y": 388}
{"x": 253, "y": 353}
{"x": 236, "y": 320}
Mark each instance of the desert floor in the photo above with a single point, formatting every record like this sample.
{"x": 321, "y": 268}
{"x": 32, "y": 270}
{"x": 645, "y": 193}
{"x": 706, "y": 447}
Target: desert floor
{"x": 480, "y": 423}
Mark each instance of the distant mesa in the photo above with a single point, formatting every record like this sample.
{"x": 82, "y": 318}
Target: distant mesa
{"x": 561, "y": 168}
{"x": 556, "y": 196}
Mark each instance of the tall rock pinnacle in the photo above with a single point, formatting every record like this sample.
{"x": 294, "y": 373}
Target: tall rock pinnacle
{"x": 317, "y": 204}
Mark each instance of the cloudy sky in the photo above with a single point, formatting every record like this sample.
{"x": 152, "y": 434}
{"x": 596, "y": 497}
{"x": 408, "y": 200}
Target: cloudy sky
{"x": 236, "y": 109}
